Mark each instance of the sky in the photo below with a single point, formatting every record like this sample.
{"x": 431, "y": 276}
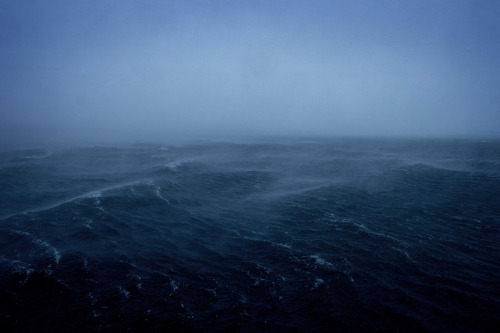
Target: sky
{"x": 139, "y": 70}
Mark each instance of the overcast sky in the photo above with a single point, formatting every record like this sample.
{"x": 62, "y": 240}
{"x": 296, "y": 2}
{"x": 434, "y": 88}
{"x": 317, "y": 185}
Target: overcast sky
{"x": 152, "y": 70}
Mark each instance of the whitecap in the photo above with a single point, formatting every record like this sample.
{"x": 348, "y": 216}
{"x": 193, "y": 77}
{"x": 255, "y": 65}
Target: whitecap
{"x": 97, "y": 194}
{"x": 156, "y": 188}
{"x": 55, "y": 252}
{"x": 138, "y": 278}
{"x": 317, "y": 283}
{"x": 174, "y": 165}
{"x": 402, "y": 251}
{"x": 93, "y": 300}
{"x": 87, "y": 223}
{"x": 159, "y": 195}
{"x": 322, "y": 262}
{"x": 212, "y": 292}
{"x": 18, "y": 266}
{"x": 86, "y": 264}
{"x": 124, "y": 292}
{"x": 284, "y": 245}
{"x": 94, "y": 194}
{"x": 363, "y": 228}
{"x": 174, "y": 286}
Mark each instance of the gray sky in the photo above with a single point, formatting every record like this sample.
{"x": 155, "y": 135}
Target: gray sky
{"x": 130, "y": 70}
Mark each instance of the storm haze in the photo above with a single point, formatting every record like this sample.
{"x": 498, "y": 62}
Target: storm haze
{"x": 249, "y": 166}
{"x": 107, "y": 71}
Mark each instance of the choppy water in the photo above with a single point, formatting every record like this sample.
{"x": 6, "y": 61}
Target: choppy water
{"x": 307, "y": 235}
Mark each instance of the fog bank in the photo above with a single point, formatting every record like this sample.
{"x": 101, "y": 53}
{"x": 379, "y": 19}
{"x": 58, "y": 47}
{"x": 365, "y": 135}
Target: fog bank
{"x": 89, "y": 71}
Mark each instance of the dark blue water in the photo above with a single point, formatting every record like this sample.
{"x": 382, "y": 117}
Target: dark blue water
{"x": 288, "y": 235}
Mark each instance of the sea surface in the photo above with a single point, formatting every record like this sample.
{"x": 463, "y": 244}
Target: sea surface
{"x": 289, "y": 234}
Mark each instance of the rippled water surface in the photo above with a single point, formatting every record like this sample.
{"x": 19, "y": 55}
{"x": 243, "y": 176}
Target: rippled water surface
{"x": 307, "y": 235}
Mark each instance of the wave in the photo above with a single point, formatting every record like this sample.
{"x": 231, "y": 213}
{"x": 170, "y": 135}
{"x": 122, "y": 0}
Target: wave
{"x": 93, "y": 194}
{"x": 338, "y": 234}
{"x": 24, "y": 155}
{"x": 41, "y": 244}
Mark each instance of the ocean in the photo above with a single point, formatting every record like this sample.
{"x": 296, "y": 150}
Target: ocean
{"x": 271, "y": 234}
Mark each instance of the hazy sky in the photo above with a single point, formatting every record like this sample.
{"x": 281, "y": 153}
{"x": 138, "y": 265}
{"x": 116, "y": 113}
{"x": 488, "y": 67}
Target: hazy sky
{"x": 148, "y": 70}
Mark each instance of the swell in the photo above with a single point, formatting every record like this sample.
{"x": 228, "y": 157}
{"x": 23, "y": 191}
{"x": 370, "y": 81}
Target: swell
{"x": 265, "y": 237}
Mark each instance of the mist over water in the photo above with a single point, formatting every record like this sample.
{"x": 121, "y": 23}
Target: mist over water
{"x": 155, "y": 71}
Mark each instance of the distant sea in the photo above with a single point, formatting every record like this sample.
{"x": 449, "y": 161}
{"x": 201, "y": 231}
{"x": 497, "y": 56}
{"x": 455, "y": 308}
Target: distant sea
{"x": 342, "y": 235}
